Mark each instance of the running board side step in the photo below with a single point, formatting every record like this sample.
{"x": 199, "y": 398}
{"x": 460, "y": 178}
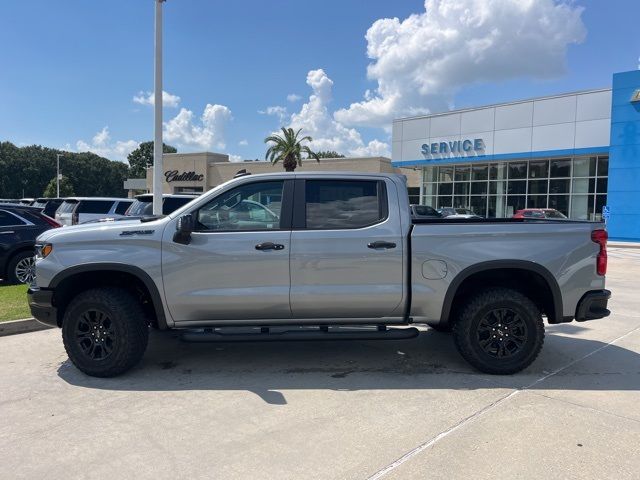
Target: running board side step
{"x": 210, "y": 335}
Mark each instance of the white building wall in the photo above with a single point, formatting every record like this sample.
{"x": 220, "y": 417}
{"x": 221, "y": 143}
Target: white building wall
{"x": 564, "y": 122}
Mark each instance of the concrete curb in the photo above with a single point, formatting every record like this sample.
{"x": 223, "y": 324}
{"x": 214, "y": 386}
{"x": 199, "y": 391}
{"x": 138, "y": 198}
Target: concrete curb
{"x": 25, "y": 325}
{"x": 615, "y": 244}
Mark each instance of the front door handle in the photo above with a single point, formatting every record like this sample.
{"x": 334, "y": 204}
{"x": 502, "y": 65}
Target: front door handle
{"x": 269, "y": 246}
{"x": 381, "y": 244}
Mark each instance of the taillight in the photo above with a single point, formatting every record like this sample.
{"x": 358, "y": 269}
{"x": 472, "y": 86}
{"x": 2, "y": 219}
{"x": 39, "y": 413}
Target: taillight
{"x": 50, "y": 221}
{"x": 600, "y": 237}
{"x": 74, "y": 219}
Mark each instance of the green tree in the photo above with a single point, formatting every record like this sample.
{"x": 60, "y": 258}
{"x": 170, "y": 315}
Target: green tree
{"x": 289, "y": 149}
{"x": 142, "y": 158}
{"x": 66, "y": 189}
{"x": 329, "y": 154}
{"x": 29, "y": 169}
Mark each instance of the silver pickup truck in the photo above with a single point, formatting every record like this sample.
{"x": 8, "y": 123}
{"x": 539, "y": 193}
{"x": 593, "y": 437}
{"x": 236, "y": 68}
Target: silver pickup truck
{"x": 316, "y": 256}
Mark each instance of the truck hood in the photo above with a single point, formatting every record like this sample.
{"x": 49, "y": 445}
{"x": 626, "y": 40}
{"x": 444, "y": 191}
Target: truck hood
{"x": 107, "y": 230}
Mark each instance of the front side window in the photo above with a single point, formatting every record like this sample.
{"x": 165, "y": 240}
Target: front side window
{"x": 253, "y": 206}
{"x": 339, "y": 204}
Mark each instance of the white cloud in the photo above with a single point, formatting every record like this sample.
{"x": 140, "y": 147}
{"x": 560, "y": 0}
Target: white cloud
{"x": 208, "y": 132}
{"x": 276, "y": 111}
{"x": 243, "y": 142}
{"x": 102, "y": 145}
{"x": 420, "y": 62}
{"x": 315, "y": 120}
{"x": 235, "y": 158}
{"x": 147, "y": 98}
{"x": 293, "y": 97}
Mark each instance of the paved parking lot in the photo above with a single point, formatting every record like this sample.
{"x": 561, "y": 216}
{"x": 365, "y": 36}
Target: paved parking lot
{"x": 358, "y": 410}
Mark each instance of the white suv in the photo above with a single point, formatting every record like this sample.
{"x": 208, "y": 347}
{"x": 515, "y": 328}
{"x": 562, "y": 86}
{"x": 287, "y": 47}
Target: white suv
{"x": 75, "y": 210}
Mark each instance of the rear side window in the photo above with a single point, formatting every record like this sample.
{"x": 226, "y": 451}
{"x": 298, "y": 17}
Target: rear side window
{"x": 170, "y": 204}
{"x": 67, "y": 207}
{"x": 122, "y": 207}
{"x": 9, "y": 220}
{"x": 95, "y": 206}
{"x": 340, "y": 204}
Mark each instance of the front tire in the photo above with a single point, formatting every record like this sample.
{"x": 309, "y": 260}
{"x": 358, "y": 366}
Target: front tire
{"x": 500, "y": 331}
{"x": 105, "y": 332}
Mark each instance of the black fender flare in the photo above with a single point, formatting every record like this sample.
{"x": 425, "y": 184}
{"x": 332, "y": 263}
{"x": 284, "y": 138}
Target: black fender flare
{"x": 500, "y": 265}
{"x": 139, "y": 273}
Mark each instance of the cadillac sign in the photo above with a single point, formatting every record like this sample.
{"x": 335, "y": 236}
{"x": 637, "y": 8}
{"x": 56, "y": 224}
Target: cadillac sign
{"x": 176, "y": 176}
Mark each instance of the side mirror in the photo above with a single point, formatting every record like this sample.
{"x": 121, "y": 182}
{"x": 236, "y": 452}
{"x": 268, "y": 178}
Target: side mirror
{"x": 184, "y": 227}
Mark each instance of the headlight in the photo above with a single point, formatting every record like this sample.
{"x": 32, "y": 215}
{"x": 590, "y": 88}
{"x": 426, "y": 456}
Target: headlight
{"x": 43, "y": 250}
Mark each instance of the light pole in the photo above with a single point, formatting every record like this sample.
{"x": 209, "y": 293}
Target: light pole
{"x": 58, "y": 155}
{"x": 157, "y": 139}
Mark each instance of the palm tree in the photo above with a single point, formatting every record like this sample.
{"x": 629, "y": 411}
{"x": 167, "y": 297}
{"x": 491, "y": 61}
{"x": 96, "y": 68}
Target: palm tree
{"x": 289, "y": 149}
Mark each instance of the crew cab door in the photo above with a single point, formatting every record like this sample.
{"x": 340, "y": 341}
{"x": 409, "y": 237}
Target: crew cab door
{"x": 346, "y": 249}
{"x": 236, "y": 266}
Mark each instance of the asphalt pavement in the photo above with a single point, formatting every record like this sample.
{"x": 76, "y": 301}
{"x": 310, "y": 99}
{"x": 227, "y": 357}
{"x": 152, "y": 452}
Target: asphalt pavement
{"x": 332, "y": 410}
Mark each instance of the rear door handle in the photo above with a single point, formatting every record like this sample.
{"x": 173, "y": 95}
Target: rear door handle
{"x": 381, "y": 244}
{"x": 269, "y": 246}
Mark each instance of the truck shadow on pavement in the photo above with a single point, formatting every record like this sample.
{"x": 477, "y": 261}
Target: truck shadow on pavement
{"x": 427, "y": 362}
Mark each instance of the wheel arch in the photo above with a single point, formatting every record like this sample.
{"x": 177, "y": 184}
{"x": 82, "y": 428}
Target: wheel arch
{"x": 530, "y": 278}
{"x": 74, "y": 280}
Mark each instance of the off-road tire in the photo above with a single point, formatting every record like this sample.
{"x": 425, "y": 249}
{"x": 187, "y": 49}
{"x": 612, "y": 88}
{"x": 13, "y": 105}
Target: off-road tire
{"x": 127, "y": 321}
{"x": 472, "y": 324}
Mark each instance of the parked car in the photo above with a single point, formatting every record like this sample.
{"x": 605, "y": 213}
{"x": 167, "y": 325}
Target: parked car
{"x": 19, "y": 227}
{"x": 143, "y": 204}
{"x": 343, "y": 252}
{"x": 48, "y": 205}
{"x": 26, "y": 201}
{"x": 539, "y": 213}
{"x": 450, "y": 212}
{"x": 424, "y": 211}
{"x": 75, "y": 210}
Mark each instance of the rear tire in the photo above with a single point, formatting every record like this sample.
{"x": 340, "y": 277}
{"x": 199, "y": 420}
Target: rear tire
{"x": 500, "y": 331}
{"x": 105, "y": 332}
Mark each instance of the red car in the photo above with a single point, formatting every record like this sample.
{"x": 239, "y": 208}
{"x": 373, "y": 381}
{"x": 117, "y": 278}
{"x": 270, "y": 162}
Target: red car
{"x": 539, "y": 213}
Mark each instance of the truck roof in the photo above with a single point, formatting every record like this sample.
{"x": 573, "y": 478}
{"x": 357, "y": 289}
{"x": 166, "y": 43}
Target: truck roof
{"x": 325, "y": 174}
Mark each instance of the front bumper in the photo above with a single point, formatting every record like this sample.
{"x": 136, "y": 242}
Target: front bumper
{"x": 593, "y": 305}
{"x": 41, "y": 305}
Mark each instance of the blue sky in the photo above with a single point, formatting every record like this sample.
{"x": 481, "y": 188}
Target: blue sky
{"x": 71, "y": 68}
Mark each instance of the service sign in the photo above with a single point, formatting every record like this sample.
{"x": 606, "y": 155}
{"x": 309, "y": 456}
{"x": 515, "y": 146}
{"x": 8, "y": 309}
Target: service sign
{"x": 453, "y": 148}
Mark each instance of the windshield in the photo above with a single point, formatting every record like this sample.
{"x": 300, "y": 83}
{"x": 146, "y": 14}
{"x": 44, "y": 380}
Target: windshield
{"x": 140, "y": 208}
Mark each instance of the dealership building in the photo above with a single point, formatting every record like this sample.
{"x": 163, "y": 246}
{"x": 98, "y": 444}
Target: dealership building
{"x": 201, "y": 171}
{"x": 578, "y": 153}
